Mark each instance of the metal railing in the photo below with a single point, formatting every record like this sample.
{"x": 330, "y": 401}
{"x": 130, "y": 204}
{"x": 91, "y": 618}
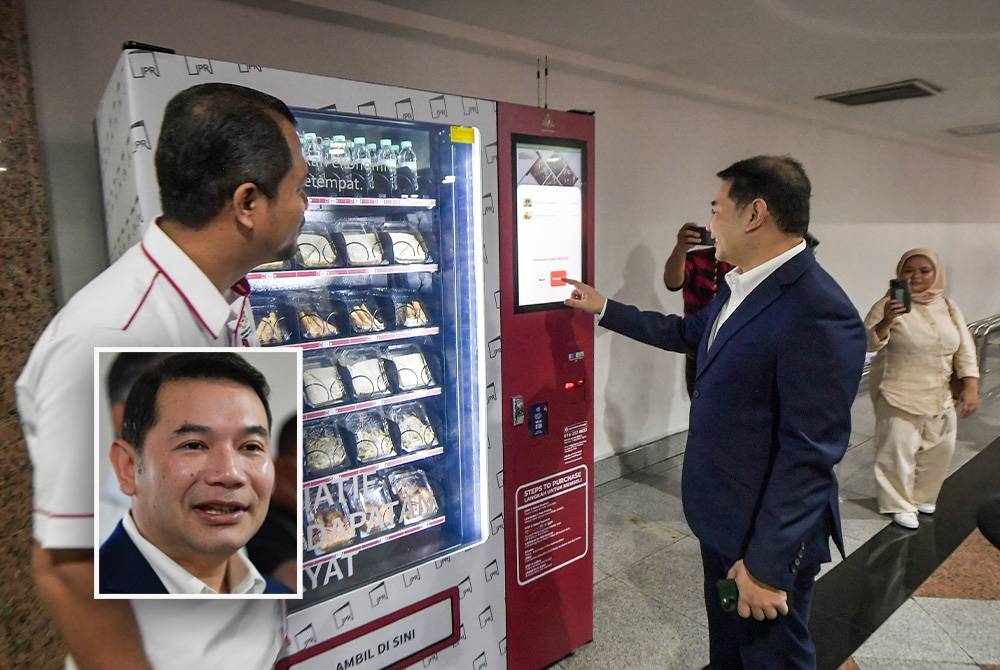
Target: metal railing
{"x": 985, "y": 332}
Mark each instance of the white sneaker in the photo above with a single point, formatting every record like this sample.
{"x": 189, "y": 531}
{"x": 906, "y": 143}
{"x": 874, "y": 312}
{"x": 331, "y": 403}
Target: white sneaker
{"x": 927, "y": 509}
{"x": 906, "y": 520}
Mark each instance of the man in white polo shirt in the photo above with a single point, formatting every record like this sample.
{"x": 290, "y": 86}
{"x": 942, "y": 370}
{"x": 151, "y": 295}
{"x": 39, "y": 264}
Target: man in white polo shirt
{"x": 231, "y": 174}
{"x": 194, "y": 457}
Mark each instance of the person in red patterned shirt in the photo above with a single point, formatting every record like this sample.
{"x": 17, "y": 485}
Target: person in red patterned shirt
{"x": 698, "y": 273}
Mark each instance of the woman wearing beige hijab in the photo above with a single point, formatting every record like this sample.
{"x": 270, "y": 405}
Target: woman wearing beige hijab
{"x": 915, "y": 415}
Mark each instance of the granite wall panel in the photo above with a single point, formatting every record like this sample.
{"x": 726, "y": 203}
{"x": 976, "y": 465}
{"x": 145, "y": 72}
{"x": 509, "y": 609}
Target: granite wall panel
{"x": 27, "y": 302}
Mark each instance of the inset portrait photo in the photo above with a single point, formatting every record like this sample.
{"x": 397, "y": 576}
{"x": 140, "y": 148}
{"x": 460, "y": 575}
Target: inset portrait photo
{"x": 198, "y": 473}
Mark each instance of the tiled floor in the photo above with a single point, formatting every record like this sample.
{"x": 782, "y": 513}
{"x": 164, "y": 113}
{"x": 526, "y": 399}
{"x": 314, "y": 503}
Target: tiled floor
{"x": 648, "y": 603}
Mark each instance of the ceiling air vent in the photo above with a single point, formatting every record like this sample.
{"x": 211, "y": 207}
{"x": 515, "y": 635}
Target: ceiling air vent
{"x": 900, "y": 90}
{"x": 970, "y": 131}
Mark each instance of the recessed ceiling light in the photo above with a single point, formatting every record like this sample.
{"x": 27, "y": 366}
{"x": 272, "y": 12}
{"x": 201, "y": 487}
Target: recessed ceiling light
{"x": 970, "y": 131}
{"x": 899, "y": 90}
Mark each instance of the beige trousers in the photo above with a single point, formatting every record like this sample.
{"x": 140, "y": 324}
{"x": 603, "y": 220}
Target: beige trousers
{"x": 912, "y": 454}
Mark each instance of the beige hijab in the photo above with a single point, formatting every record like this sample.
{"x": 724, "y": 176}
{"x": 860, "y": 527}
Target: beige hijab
{"x": 937, "y": 288}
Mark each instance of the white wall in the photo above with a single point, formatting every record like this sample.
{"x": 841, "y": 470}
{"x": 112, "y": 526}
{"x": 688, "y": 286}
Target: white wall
{"x": 656, "y": 157}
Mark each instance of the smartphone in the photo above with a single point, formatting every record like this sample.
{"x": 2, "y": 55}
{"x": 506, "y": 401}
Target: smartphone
{"x": 706, "y": 236}
{"x": 729, "y": 595}
{"x": 899, "y": 290}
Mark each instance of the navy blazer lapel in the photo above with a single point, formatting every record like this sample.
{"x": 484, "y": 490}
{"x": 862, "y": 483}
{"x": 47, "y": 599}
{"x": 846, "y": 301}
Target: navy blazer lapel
{"x": 712, "y": 313}
{"x": 124, "y": 569}
{"x": 767, "y": 292}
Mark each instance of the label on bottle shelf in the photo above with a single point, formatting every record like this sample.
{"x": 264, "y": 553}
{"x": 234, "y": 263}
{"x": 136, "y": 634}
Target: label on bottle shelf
{"x": 462, "y": 135}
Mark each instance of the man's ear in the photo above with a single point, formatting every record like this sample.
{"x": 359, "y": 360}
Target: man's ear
{"x": 248, "y": 202}
{"x": 125, "y": 461}
{"x": 758, "y": 213}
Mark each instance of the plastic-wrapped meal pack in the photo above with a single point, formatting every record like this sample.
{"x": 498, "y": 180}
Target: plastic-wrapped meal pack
{"x": 414, "y": 425}
{"x": 412, "y": 369}
{"x": 272, "y": 328}
{"x": 406, "y": 242}
{"x": 315, "y": 249}
{"x": 324, "y": 449}
{"x": 330, "y": 526}
{"x": 322, "y": 384}
{"x": 316, "y": 316}
{"x": 370, "y": 434}
{"x": 367, "y": 373}
{"x": 414, "y": 493}
{"x": 373, "y": 500}
{"x": 361, "y": 242}
{"x": 411, "y": 312}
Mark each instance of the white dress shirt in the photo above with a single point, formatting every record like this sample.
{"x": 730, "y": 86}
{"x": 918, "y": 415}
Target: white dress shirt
{"x": 241, "y": 575}
{"x": 742, "y": 284}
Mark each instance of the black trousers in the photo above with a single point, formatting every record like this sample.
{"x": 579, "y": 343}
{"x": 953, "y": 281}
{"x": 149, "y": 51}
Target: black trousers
{"x": 777, "y": 644}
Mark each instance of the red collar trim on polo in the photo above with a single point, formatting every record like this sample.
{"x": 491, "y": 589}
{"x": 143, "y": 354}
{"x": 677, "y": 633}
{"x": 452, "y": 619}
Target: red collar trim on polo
{"x": 198, "y": 293}
{"x": 242, "y": 287}
{"x": 177, "y": 288}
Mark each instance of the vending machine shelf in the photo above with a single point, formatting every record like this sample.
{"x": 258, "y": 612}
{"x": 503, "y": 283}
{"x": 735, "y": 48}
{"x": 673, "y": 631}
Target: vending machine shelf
{"x": 374, "y": 467}
{"x": 370, "y": 543}
{"x": 342, "y": 272}
{"x": 362, "y": 339}
{"x": 415, "y": 203}
{"x": 368, "y": 404}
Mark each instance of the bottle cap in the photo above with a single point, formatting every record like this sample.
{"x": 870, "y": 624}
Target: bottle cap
{"x": 359, "y": 140}
{"x": 339, "y": 138}
{"x": 405, "y": 143}
{"x": 385, "y": 143}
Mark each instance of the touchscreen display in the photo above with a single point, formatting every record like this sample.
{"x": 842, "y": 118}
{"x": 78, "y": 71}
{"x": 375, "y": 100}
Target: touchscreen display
{"x": 549, "y": 214}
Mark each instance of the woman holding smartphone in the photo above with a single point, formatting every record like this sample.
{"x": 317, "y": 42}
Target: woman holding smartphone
{"x": 919, "y": 348}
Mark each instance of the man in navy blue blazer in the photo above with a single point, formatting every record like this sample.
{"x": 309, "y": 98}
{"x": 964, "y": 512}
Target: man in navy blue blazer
{"x": 194, "y": 458}
{"x": 780, "y": 352}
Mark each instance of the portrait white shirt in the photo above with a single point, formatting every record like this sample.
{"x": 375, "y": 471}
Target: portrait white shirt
{"x": 742, "y": 284}
{"x": 242, "y": 576}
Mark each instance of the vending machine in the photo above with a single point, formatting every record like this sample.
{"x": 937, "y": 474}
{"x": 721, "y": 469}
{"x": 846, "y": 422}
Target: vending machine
{"x": 384, "y": 295}
{"x": 394, "y": 296}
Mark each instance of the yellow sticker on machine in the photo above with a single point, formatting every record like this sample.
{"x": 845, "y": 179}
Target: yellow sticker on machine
{"x": 462, "y": 135}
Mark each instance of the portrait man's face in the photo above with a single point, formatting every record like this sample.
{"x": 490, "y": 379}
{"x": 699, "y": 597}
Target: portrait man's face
{"x": 204, "y": 478}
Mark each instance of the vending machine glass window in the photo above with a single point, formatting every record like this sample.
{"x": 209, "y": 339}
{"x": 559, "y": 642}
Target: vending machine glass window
{"x": 383, "y": 294}
{"x": 548, "y": 206}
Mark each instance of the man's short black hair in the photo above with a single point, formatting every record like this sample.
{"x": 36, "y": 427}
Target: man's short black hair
{"x": 140, "y": 407}
{"x": 125, "y": 369}
{"x": 780, "y": 181}
{"x": 214, "y": 138}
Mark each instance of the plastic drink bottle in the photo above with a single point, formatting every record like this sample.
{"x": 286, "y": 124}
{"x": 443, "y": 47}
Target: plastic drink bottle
{"x": 406, "y": 169}
{"x": 385, "y": 171}
{"x": 363, "y": 175}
